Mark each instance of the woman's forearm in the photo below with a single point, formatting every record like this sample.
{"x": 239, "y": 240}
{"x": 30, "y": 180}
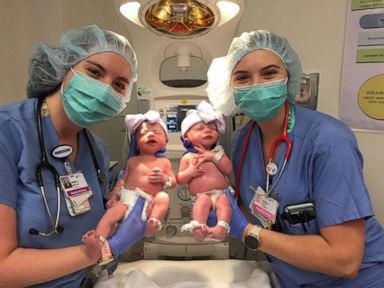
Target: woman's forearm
{"x": 329, "y": 255}
{"x": 25, "y": 267}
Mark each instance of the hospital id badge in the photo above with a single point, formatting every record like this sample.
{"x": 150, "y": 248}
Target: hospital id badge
{"x": 264, "y": 208}
{"x": 76, "y": 192}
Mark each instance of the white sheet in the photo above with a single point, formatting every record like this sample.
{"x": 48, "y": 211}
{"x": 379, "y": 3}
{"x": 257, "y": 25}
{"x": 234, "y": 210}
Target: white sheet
{"x": 186, "y": 274}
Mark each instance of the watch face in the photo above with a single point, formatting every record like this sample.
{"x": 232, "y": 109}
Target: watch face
{"x": 251, "y": 242}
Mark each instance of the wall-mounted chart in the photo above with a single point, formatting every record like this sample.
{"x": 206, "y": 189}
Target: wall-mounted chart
{"x": 362, "y": 87}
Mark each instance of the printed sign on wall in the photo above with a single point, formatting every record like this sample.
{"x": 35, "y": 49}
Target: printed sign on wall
{"x": 362, "y": 86}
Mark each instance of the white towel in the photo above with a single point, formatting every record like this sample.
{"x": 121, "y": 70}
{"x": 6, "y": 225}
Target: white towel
{"x": 136, "y": 278}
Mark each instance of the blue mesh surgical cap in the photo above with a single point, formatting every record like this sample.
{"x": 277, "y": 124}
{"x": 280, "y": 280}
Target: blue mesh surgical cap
{"x": 48, "y": 64}
{"x": 219, "y": 74}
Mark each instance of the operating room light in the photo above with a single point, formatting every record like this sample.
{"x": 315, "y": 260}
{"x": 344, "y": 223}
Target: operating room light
{"x": 228, "y": 10}
{"x": 179, "y": 18}
{"x": 130, "y": 10}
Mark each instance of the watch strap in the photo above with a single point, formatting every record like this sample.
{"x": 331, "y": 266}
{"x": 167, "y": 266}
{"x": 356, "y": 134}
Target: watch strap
{"x": 252, "y": 238}
{"x": 255, "y": 232}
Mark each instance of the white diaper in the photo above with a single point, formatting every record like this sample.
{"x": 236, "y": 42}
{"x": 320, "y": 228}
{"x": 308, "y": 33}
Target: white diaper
{"x": 129, "y": 197}
{"x": 213, "y": 194}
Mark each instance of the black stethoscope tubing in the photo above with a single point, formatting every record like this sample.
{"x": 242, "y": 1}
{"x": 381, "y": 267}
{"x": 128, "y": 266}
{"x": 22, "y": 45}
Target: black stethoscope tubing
{"x": 44, "y": 164}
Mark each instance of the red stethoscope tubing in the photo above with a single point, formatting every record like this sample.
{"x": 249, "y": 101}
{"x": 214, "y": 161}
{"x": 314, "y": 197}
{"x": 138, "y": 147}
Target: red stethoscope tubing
{"x": 282, "y": 138}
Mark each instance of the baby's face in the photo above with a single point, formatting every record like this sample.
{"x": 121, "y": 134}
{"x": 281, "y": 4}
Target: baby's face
{"x": 202, "y": 134}
{"x": 150, "y": 138}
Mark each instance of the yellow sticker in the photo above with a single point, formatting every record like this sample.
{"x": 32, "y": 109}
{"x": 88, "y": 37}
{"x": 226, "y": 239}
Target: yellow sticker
{"x": 371, "y": 97}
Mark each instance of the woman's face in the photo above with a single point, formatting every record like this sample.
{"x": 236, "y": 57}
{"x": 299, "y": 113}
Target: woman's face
{"x": 258, "y": 67}
{"x": 107, "y": 67}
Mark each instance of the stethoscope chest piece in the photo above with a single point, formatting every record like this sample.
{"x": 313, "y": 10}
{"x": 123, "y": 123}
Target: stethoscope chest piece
{"x": 271, "y": 169}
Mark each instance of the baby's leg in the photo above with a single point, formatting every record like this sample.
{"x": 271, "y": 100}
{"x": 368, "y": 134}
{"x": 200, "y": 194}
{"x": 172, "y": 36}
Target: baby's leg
{"x": 111, "y": 217}
{"x": 224, "y": 214}
{"x": 156, "y": 212}
{"x": 103, "y": 229}
{"x": 200, "y": 213}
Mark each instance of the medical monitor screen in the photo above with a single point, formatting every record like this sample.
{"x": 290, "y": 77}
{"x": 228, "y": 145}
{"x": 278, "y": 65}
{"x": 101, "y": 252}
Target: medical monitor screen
{"x": 174, "y": 115}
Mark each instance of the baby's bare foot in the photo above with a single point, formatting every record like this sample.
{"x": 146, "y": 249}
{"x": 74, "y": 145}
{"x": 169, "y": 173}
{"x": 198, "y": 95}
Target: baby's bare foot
{"x": 153, "y": 225}
{"x": 91, "y": 240}
{"x": 218, "y": 232}
{"x": 200, "y": 232}
{"x": 93, "y": 244}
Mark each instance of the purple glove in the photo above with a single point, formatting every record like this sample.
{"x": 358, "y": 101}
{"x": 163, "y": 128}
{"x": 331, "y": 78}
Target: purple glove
{"x": 129, "y": 231}
{"x": 238, "y": 220}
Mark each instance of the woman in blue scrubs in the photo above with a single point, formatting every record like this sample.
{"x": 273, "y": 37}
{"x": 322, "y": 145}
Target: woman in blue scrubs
{"x": 87, "y": 79}
{"x": 309, "y": 208}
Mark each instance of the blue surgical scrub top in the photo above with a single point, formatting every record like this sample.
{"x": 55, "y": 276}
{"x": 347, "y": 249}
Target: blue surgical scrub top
{"x": 19, "y": 156}
{"x": 326, "y": 169}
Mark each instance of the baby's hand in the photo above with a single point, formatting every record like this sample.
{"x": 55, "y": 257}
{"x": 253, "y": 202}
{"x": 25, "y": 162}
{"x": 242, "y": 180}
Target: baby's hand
{"x": 157, "y": 176}
{"x": 207, "y": 155}
{"x": 111, "y": 202}
{"x": 113, "y": 199}
{"x": 194, "y": 169}
{"x": 115, "y": 194}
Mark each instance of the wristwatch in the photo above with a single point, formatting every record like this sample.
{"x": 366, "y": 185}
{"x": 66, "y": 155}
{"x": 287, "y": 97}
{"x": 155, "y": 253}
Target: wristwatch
{"x": 252, "y": 240}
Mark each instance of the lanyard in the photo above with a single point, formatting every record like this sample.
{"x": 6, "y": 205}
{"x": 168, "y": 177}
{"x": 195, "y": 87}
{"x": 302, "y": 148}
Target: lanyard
{"x": 271, "y": 167}
{"x": 46, "y": 165}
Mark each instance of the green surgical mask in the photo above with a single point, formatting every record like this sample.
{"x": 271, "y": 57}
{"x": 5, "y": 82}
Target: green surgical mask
{"x": 88, "y": 101}
{"x": 261, "y": 101}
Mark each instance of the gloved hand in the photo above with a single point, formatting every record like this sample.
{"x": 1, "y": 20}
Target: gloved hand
{"x": 129, "y": 231}
{"x": 238, "y": 220}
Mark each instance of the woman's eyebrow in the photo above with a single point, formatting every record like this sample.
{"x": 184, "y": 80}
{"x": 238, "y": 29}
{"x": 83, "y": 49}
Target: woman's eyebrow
{"x": 271, "y": 66}
{"x": 263, "y": 68}
{"x": 239, "y": 72}
{"x": 96, "y": 64}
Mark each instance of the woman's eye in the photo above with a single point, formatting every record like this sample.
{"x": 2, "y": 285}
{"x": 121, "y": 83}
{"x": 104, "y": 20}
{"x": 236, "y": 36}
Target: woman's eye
{"x": 270, "y": 73}
{"x": 241, "y": 78}
{"x": 120, "y": 86}
{"x": 94, "y": 72}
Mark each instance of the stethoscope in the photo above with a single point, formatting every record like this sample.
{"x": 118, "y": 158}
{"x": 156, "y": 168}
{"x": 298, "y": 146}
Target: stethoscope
{"x": 271, "y": 168}
{"x": 44, "y": 164}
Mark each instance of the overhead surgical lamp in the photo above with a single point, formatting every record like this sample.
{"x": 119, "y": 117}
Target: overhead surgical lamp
{"x": 179, "y": 18}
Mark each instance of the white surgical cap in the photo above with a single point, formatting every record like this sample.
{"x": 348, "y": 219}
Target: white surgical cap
{"x": 49, "y": 65}
{"x": 219, "y": 74}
